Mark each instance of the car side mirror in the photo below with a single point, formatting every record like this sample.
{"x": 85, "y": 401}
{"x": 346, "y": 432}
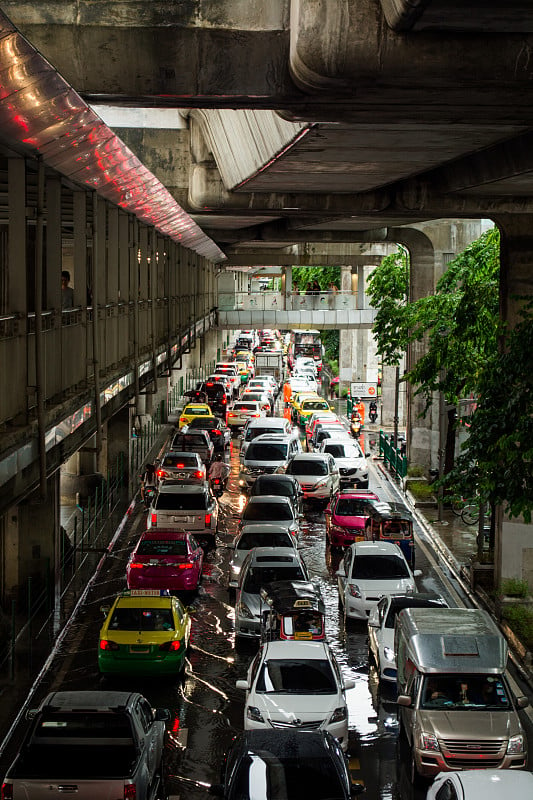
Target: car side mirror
{"x": 417, "y": 573}
{"x": 522, "y": 701}
{"x": 105, "y": 610}
{"x": 356, "y": 789}
{"x": 162, "y": 715}
{"x": 242, "y": 684}
{"x": 404, "y": 700}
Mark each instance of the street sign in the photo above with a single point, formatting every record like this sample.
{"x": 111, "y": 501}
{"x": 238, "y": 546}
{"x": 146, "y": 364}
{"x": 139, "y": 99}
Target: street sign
{"x": 359, "y": 389}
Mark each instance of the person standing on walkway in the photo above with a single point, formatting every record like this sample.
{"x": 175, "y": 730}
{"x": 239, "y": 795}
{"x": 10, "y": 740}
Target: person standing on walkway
{"x": 332, "y": 299}
{"x": 67, "y": 292}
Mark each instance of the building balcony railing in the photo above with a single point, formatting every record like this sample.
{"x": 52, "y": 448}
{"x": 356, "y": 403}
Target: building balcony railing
{"x": 291, "y": 301}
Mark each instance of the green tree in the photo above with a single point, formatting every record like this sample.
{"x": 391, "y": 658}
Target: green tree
{"x": 387, "y": 289}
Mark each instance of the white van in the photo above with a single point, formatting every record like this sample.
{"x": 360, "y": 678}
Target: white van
{"x": 455, "y": 705}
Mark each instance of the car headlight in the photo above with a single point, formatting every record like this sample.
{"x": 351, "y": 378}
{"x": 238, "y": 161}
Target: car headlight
{"x": 388, "y": 652}
{"x": 244, "y": 611}
{"x": 321, "y": 482}
{"x": 428, "y": 741}
{"x": 235, "y": 568}
{"x": 253, "y": 713}
{"x": 515, "y": 745}
{"x": 354, "y": 590}
{"x": 339, "y": 714}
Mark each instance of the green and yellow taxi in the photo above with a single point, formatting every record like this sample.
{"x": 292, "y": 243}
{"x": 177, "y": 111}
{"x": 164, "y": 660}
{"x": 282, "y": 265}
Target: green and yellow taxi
{"x": 297, "y": 399}
{"x": 193, "y": 410}
{"x": 244, "y": 371}
{"x": 310, "y": 405}
{"x": 146, "y": 632}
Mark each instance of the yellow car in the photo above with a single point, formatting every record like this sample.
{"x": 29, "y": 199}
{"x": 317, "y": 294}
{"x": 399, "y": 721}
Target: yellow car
{"x": 193, "y": 410}
{"x": 146, "y": 632}
{"x": 298, "y": 397}
{"x": 309, "y": 406}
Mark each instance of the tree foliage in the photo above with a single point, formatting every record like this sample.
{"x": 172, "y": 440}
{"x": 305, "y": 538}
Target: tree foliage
{"x": 387, "y": 289}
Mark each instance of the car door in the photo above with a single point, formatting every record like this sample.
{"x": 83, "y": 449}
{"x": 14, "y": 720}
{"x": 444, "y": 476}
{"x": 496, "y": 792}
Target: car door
{"x": 334, "y": 475}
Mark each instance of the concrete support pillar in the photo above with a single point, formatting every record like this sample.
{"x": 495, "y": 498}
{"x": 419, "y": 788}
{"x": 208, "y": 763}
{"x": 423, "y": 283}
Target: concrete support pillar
{"x": 513, "y": 556}
{"x": 31, "y": 541}
{"x": 52, "y": 280}
{"x": 80, "y": 474}
{"x": 286, "y": 288}
{"x": 119, "y": 441}
{"x": 345, "y": 339}
{"x": 422, "y": 432}
{"x": 226, "y": 290}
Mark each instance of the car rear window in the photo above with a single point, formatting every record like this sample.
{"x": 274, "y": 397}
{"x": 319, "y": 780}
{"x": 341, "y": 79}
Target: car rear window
{"x": 141, "y": 619}
{"x": 264, "y": 539}
{"x": 265, "y": 512}
{"x": 244, "y": 406}
{"x": 196, "y": 410}
{"x": 170, "y": 501}
{"x": 162, "y": 547}
{"x": 179, "y": 461}
{"x": 190, "y": 439}
{"x": 280, "y": 488}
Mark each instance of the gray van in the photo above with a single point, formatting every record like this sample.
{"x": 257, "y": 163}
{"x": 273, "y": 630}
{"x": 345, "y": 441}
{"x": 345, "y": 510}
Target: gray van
{"x": 267, "y": 454}
{"x": 455, "y": 706}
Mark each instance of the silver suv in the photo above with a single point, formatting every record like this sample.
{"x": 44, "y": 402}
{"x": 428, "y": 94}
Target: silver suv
{"x": 350, "y": 459}
{"x": 267, "y": 454}
{"x": 180, "y": 465}
{"x": 188, "y": 506}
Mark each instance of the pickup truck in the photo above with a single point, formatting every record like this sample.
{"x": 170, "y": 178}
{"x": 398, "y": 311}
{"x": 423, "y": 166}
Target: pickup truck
{"x": 95, "y": 745}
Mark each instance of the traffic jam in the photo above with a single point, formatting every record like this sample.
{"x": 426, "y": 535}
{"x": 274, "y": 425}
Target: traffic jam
{"x": 273, "y": 622}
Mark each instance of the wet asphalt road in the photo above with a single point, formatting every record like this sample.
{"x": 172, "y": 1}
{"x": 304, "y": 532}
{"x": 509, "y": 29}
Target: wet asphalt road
{"x": 206, "y": 707}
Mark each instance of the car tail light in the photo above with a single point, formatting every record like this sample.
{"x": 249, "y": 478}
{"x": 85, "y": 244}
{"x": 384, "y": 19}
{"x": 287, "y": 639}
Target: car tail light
{"x": 186, "y": 566}
{"x": 255, "y": 415}
{"x": 136, "y": 565}
{"x": 162, "y": 474}
{"x": 154, "y": 520}
{"x": 198, "y": 474}
{"x": 217, "y": 433}
{"x": 170, "y": 647}
{"x": 231, "y": 414}
{"x": 224, "y": 400}
{"x": 130, "y": 791}
{"x": 7, "y": 791}
{"x": 107, "y": 644}
{"x": 210, "y": 383}
{"x": 183, "y": 419}
{"x": 208, "y": 519}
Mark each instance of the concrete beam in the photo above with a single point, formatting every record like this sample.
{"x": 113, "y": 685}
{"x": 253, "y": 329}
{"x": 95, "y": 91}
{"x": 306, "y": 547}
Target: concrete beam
{"x": 490, "y": 16}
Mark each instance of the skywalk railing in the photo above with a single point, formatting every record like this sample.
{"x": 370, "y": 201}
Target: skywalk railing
{"x": 291, "y": 301}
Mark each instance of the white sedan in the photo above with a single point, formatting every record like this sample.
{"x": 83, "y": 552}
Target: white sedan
{"x": 482, "y": 784}
{"x": 381, "y": 628}
{"x": 368, "y": 571}
{"x": 296, "y": 685}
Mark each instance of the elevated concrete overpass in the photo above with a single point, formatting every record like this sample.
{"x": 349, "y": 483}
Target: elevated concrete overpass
{"x": 303, "y": 126}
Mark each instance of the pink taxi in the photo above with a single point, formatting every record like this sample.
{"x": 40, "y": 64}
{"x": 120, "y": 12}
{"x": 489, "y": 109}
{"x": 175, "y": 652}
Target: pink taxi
{"x": 165, "y": 559}
{"x": 346, "y": 515}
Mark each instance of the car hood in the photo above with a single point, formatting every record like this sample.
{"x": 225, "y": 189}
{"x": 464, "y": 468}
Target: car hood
{"x": 351, "y": 463}
{"x": 307, "y": 707}
{"x": 310, "y": 480}
{"x": 380, "y": 587}
{"x": 469, "y": 724}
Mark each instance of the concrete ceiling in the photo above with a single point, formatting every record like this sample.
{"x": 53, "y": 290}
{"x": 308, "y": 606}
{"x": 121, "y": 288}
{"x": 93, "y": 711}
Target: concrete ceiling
{"x": 311, "y": 121}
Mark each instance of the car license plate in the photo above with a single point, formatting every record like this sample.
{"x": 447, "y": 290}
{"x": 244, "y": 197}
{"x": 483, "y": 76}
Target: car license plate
{"x": 135, "y": 648}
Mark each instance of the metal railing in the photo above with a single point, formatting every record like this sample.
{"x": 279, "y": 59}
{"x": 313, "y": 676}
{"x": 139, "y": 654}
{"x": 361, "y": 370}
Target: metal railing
{"x": 290, "y": 301}
{"x": 392, "y": 456}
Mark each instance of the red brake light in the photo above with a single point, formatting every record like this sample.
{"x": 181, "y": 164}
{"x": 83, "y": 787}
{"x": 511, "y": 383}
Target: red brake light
{"x": 154, "y": 520}
{"x": 210, "y": 383}
{"x": 208, "y": 519}
{"x": 170, "y": 646}
{"x": 217, "y": 433}
{"x": 180, "y": 466}
{"x": 224, "y": 400}
{"x": 106, "y": 644}
{"x": 130, "y": 791}
{"x": 198, "y": 474}
{"x": 7, "y": 791}
{"x": 186, "y": 566}
{"x": 162, "y": 474}
{"x": 136, "y": 565}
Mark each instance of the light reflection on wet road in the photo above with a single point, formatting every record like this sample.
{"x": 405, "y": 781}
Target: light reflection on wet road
{"x": 206, "y": 707}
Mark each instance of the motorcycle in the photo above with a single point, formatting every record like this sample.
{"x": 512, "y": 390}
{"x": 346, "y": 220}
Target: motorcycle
{"x": 217, "y": 486}
{"x": 372, "y": 413}
{"x": 148, "y": 494}
{"x": 355, "y": 425}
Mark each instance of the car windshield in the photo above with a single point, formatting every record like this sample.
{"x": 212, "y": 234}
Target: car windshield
{"x": 264, "y": 539}
{"x": 260, "y": 451}
{"x": 267, "y": 512}
{"x": 464, "y": 692}
{"x": 179, "y": 461}
{"x": 205, "y": 424}
{"x": 169, "y": 501}
{"x": 311, "y": 467}
{"x": 351, "y": 507}
{"x": 379, "y": 567}
{"x": 162, "y": 547}
{"x": 141, "y": 619}
{"x": 259, "y": 576}
{"x": 252, "y": 433}
{"x": 302, "y": 676}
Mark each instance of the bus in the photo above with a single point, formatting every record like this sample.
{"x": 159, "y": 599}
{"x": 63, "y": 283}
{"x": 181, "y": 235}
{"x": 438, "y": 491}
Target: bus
{"x": 306, "y": 343}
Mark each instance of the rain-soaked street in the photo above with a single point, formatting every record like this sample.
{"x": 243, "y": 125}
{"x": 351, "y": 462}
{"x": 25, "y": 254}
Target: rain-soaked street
{"x": 206, "y": 707}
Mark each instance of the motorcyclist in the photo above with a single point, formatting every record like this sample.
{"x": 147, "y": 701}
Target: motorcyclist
{"x": 373, "y": 411}
{"x": 359, "y": 406}
{"x": 148, "y": 478}
{"x": 219, "y": 470}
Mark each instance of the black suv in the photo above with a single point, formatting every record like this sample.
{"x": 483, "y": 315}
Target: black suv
{"x": 216, "y": 398}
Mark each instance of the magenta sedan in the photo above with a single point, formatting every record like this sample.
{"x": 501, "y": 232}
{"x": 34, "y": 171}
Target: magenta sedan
{"x": 346, "y": 515}
{"x": 165, "y": 559}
